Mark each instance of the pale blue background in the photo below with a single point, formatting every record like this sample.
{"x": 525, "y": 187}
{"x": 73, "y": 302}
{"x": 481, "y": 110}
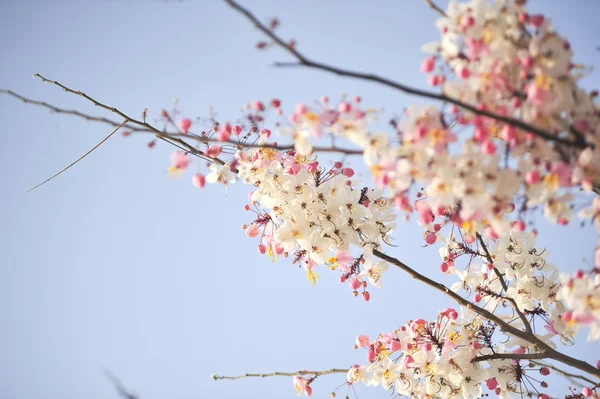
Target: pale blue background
{"x": 115, "y": 266}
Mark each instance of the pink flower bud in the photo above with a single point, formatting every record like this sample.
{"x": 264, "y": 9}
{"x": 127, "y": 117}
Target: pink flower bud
{"x": 579, "y": 274}
{"x": 213, "y": 151}
{"x": 252, "y": 231}
{"x": 223, "y": 135}
{"x": 430, "y": 238}
{"x": 519, "y": 226}
{"x": 508, "y": 133}
{"x": 395, "y": 345}
{"x": 544, "y": 371}
{"x": 258, "y": 106}
{"x": 428, "y": 64}
{"x": 237, "y": 130}
{"x": 488, "y": 147}
{"x": 344, "y": 107}
{"x": 366, "y": 296}
{"x": 275, "y": 103}
{"x": 262, "y": 249}
{"x": 587, "y": 392}
{"x": 348, "y": 172}
{"x": 362, "y": 341}
{"x": 337, "y": 165}
{"x": 475, "y": 345}
{"x": 543, "y": 396}
{"x": 265, "y": 132}
{"x": 467, "y": 21}
{"x": 371, "y": 356}
{"x": 307, "y": 390}
{"x": 184, "y": 125}
{"x": 453, "y": 315}
{"x": 355, "y": 283}
{"x": 533, "y": 177}
{"x": 464, "y": 73}
{"x": 477, "y": 298}
{"x": 199, "y": 181}
{"x": 536, "y": 20}
{"x": 491, "y": 383}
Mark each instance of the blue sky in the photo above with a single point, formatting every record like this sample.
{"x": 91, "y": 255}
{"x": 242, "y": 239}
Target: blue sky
{"x": 114, "y": 266}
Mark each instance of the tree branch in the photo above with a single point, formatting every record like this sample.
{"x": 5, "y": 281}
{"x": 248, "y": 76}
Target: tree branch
{"x": 78, "y": 159}
{"x": 540, "y": 345}
{"x": 435, "y": 8}
{"x": 512, "y": 301}
{"x": 517, "y": 356}
{"x": 281, "y": 374}
{"x": 144, "y": 129}
{"x": 306, "y": 62}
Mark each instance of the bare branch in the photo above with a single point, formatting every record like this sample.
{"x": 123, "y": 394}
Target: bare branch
{"x": 306, "y": 62}
{"x": 518, "y": 356}
{"x": 80, "y": 158}
{"x": 435, "y": 8}
{"x": 164, "y": 134}
{"x": 538, "y": 344}
{"x": 282, "y": 374}
{"x": 121, "y": 390}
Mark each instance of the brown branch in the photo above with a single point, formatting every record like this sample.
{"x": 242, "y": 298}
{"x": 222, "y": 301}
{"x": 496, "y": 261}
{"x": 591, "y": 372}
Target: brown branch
{"x": 518, "y": 356}
{"x": 78, "y": 159}
{"x": 144, "y": 124}
{"x": 281, "y": 374}
{"x": 121, "y": 390}
{"x": 143, "y": 129}
{"x": 540, "y": 345}
{"x": 512, "y": 301}
{"x": 435, "y": 8}
{"x": 306, "y": 62}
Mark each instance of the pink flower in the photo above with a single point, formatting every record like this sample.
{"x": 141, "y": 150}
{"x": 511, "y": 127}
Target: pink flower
{"x": 185, "y": 125}
{"x": 428, "y": 64}
{"x": 344, "y": 107}
{"x": 213, "y": 151}
{"x": 488, "y": 147}
{"x": 179, "y": 160}
{"x": 252, "y": 231}
{"x": 198, "y": 180}
{"x": 533, "y": 177}
{"x": 362, "y": 341}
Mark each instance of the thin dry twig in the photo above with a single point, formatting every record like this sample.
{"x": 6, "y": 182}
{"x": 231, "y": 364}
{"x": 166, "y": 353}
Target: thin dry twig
{"x": 179, "y": 135}
{"x": 282, "y": 374}
{"x": 80, "y": 158}
{"x": 303, "y": 61}
{"x": 570, "y": 376}
{"x": 120, "y": 388}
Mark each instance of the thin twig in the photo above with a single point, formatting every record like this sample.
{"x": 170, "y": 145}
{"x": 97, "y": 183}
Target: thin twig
{"x": 80, "y": 158}
{"x": 538, "y": 344}
{"x": 282, "y": 374}
{"x": 572, "y": 377}
{"x": 303, "y": 61}
{"x": 512, "y": 301}
{"x": 143, "y": 129}
{"x": 435, "y": 8}
{"x": 121, "y": 390}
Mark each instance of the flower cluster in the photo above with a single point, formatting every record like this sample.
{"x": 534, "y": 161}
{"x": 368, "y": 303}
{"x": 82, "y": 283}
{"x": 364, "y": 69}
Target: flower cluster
{"x": 444, "y": 359}
{"x": 316, "y": 214}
